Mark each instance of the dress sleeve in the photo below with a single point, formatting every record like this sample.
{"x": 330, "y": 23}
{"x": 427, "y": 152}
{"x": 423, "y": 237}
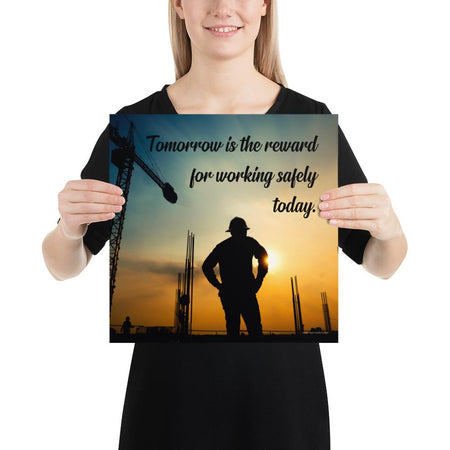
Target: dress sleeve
{"x": 97, "y": 168}
{"x": 352, "y": 242}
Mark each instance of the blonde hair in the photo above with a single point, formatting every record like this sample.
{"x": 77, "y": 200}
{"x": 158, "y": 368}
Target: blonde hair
{"x": 266, "y": 55}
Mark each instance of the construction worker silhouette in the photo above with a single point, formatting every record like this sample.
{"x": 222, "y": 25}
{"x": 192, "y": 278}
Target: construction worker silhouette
{"x": 126, "y": 326}
{"x": 238, "y": 286}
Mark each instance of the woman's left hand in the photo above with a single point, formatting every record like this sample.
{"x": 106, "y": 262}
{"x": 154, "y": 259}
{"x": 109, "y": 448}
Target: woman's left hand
{"x": 364, "y": 206}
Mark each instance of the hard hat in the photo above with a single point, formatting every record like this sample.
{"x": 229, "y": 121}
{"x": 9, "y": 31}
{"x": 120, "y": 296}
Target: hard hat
{"x": 237, "y": 224}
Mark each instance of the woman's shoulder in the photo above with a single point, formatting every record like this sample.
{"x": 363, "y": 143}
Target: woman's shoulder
{"x": 156, "y": 103}
{"x": 292, "y": 102}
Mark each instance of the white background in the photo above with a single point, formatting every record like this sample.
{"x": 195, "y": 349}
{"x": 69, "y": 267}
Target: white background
{"x": 381, "y": 66}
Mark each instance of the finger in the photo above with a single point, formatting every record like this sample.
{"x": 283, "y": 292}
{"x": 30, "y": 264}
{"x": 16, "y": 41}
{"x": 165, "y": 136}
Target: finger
{"x": 93, "y": 185}
{"x": 351, "y": 214}
{"x": 83, "y": 219}
{"x": 356, "y": 201}
{"x": 93, "y": 218}
{"x": 361, "y": 224}
{"x": 74, "y": 196}
{"x": 353, "y": 189}
{"x": 91, "y": 208}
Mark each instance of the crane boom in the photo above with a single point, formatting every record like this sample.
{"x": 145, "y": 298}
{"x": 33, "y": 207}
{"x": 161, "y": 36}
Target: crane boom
{"x": 168, "y": 191}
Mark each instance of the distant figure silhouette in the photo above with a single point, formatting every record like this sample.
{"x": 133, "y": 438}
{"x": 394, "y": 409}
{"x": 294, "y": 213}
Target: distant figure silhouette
{"x": 126, "y": 326}
{"x": 238, "y": 286}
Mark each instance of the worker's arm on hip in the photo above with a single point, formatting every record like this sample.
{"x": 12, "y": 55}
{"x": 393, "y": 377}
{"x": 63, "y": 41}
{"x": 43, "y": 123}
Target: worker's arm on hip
{"x": 263, "y": 263}
{"x": 208, "y": 269}
{"x": 80, "y": 203}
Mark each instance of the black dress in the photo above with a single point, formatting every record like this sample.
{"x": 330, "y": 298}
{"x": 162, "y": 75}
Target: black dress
{"x": 227, "y": 396}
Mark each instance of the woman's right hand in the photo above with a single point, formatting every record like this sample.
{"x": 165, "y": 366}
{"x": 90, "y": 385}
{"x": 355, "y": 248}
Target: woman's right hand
{"x": 82, "y": 202}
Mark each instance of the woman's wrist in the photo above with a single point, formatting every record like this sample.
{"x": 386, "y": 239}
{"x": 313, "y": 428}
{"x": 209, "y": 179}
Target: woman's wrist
{"x": 72, "y": 235}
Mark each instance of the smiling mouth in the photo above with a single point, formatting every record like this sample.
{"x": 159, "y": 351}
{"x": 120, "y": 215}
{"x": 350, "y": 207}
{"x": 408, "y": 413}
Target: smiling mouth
{"x": 227, "y": 29}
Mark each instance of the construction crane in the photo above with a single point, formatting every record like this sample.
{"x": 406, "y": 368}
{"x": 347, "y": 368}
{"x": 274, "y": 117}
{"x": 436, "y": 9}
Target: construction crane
{"x": 124, "y": 157}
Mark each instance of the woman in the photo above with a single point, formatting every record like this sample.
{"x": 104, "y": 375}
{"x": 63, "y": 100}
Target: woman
{"x": 231, "y": 396}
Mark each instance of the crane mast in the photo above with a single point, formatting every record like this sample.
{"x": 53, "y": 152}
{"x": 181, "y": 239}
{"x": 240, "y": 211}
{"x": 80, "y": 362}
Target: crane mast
{"x": 124, "y": 158}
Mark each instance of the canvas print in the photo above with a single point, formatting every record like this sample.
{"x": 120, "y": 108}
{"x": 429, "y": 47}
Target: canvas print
{"x": 220, "y": 238}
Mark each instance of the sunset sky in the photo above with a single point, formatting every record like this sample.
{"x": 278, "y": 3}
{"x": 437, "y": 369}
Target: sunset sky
{"x": 153, "y": 243}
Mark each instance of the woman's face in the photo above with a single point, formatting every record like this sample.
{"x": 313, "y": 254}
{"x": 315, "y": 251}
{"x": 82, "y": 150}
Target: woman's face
{"x": 222, "y": 28}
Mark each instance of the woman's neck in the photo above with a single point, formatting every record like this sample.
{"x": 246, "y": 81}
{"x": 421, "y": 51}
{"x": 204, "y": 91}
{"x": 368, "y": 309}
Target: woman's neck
{"x": 231, "y": 86}
{"x": 219, "y": 77}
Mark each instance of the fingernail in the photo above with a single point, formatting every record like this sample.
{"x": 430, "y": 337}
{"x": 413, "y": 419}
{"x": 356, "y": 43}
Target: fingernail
{"x": 323, "y": 205}
{"x": 325, "y": 196}
{"x": 333, "y": 222}
{"x": 325, "y": 214}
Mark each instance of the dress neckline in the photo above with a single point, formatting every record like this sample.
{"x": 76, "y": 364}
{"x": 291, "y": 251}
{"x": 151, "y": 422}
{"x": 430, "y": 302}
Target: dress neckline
{"x": 272, "y": 110}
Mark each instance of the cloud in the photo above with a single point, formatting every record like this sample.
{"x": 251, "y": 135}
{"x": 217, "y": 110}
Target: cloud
{"x": 151, "y": 266}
